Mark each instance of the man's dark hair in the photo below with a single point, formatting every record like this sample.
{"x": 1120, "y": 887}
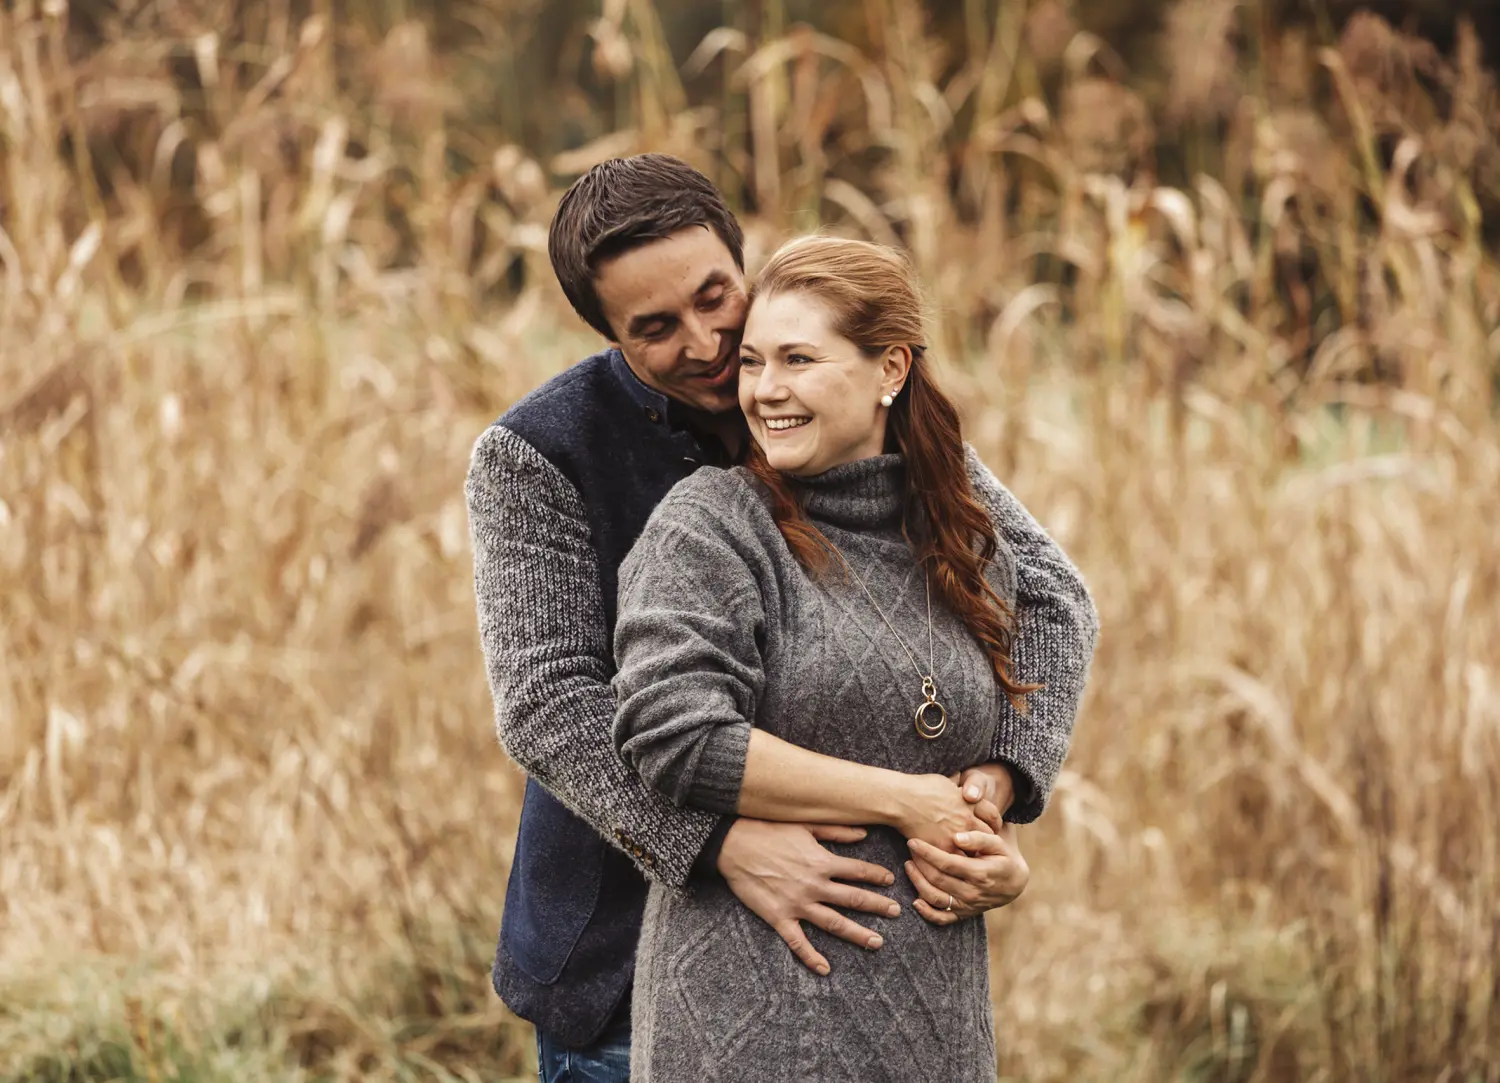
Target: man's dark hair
{"x": 622, "y": 204}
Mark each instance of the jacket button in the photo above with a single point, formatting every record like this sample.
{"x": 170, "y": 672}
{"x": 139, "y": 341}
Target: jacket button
{"x": 653, "y": 414}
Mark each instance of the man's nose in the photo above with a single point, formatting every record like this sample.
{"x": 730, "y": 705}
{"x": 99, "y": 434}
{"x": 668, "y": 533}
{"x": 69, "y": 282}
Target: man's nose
{"x": 702, "y": 340}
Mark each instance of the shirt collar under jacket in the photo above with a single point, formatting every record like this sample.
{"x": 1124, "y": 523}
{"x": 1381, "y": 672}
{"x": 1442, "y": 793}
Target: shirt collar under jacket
{"x": 661, "y": 409}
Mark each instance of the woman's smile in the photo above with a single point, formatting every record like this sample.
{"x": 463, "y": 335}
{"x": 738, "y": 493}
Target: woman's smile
{"x": 782, "y": 424}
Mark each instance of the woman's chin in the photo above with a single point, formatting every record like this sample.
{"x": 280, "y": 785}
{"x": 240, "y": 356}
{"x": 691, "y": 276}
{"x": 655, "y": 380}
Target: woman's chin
{"x": 797, "y": 466}
{"x": 786, "y": 463}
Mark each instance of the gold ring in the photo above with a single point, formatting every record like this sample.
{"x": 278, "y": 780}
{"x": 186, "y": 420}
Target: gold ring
{"x": 950, "y": 902}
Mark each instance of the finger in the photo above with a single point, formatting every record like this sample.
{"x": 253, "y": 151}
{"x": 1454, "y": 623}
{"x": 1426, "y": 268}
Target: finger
{"x": 975, "y": 823}
{"x": 861, "y": 872}
{"x": 942, "y": 860}
{"x": 934, "y": 916}
{"x": 977, "y": 786}
{"x": 791, "y": 932}
{"x": 836, "y": 924}
{"x": 989, "y": 812}
{"x": 837, "y": 833}
{"x": 1008, "y": 833}
{"x": 850, "y": 897}
{"x": 943, "y": 885}
{"x": 984, "y": 843}
{"x": 935, "y": 897}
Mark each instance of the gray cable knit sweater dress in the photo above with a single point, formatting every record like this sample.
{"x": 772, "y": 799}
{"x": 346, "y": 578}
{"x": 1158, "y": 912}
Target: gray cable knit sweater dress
{"x": 720, "y": 629}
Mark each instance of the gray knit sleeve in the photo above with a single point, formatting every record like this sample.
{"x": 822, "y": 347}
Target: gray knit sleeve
{"x": 1056, "y": 630}
{"x": 542, "y": 627}
{"x": 689, "y": 667}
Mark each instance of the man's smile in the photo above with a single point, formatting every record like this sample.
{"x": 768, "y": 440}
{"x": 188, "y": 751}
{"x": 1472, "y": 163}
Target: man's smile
{"x": 720, "y": 375}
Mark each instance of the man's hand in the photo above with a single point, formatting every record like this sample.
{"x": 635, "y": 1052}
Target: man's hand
{"x": 783, "y": 874}
{"x": 990, "y": 873}
{"x": 989, "y": 782}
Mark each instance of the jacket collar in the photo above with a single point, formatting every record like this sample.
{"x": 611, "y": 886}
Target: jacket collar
{"x": 647, "y": 398}
{"x": 659, "y": 408}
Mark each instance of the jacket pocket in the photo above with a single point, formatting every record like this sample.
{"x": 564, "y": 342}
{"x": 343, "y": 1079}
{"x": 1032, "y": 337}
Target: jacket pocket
{"x": 553, "y": 888}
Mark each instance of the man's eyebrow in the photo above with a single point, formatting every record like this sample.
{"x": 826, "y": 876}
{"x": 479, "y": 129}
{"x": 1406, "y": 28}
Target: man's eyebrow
{"x": 640, "y": 323}
{"x": 715, "y": 278}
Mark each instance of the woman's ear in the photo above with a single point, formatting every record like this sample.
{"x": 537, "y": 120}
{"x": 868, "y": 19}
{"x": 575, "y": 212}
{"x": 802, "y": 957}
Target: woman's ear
{"x": 894, "y": 368}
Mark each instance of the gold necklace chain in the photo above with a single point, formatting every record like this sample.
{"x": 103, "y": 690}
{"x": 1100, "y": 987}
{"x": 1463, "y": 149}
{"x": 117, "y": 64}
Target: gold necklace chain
{"x": 930, "y": 730}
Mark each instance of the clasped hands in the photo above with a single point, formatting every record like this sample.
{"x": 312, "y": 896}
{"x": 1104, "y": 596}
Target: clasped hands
{"x": 963, "y": 873}
{"x": 784, "y": 874}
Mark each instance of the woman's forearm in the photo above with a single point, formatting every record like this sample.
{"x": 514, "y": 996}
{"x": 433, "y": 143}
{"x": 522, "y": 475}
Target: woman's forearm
{"x": 786, "y": 782}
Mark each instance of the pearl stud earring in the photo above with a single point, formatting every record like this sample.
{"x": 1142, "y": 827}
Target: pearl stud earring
{"x": 886, "y": 400}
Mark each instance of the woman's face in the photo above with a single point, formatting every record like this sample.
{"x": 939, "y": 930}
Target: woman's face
{"x": 811, "y": 396}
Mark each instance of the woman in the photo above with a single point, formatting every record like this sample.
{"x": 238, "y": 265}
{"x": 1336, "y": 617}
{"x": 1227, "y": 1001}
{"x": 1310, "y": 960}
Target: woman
{"x": 820, "y": 636}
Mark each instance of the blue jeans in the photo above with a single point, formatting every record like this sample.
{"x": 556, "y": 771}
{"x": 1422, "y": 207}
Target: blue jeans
{"x": 606, "y": 1061}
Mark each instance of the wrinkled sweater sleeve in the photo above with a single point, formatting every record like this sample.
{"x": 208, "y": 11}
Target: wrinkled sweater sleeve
{"x": 686, "y": 646}
{"x": 1056, "y": 630}
{"x": 545, "y": 641}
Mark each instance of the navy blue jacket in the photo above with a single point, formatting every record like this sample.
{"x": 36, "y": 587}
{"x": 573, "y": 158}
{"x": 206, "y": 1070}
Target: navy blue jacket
{"x": 612, "y": 448}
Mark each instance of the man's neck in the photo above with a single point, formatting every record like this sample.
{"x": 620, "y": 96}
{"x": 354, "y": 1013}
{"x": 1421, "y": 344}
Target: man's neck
{"x": 731, "y": 430}
{"x": 727, "y": 427}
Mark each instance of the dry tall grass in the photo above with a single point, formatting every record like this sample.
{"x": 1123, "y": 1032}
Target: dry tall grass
{"x": 254, "y": 822}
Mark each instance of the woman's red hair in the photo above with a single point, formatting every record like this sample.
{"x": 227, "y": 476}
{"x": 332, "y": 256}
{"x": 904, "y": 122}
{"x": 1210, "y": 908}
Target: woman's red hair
{"x": 870, "y": 291}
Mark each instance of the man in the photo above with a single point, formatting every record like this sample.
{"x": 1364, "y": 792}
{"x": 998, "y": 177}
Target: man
{"x": 558, "y": 490}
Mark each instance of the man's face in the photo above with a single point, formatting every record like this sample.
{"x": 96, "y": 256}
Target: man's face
{"x": 677, "y": 307}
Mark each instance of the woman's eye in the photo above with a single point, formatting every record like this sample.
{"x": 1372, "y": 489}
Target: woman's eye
{"x": 798, "y": 359}
{"x": 708, "y": 304}
{"x": 746, "y": 361}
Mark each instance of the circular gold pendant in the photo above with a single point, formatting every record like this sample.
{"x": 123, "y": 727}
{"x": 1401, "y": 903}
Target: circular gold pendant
{"x": 929, "y": 727}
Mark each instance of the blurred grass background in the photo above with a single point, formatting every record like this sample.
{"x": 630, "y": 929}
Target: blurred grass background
{"x": 1216, "y": 282}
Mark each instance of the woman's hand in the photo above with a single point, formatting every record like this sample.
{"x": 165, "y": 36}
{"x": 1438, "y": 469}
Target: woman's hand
{"x": 990, "y": 782}
{"x": 932, "y": 808}
{"x": 990, "y": 873}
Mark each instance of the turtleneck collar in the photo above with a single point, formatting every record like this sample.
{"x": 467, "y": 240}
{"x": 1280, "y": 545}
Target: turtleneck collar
{"x": 866, "y": 494}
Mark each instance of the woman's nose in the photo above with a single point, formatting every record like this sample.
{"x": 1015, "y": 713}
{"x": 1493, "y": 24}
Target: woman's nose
{"x": 769, "y": 387}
